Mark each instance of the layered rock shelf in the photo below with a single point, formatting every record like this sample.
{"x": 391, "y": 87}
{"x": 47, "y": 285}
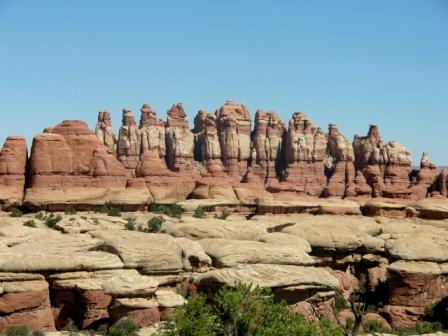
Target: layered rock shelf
{"x": 222, "y": 159}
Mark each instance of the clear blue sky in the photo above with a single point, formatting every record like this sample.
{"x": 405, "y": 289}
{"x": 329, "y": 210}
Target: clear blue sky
{"x": 349, "y": 62}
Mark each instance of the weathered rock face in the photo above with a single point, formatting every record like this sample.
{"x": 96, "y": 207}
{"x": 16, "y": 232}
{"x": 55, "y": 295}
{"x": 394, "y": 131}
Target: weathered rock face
{"x": 207, "y": 145}
{"x": 304, "y": 154}
{"x": 70, "y": 165}
{"x": 386, "y": 167}
{"x": 105, "y": 133}
{"x": 164, "y": 185}
{"x": 179, "y": 140}
{"x": 129, "y": 146}
{"x": 152, "y": 131}
{"x": 339, "y": 163}
{"x": 267, "y": 145}
{"x": 423, "y": 182}
{"x": 13, "y": 157}
{"x": 233, "y": 124}
{"x": 220, "y": 159}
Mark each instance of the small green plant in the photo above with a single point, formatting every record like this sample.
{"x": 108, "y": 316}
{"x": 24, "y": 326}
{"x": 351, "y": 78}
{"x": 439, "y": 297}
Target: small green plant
{"x": 109, "y": 209}
{"x": 95, "y": 221}
{"x": 17, "y": 330}
{"x": 70, "y": 211}
{"x": 154, "y": 225}
{"x": 15, "y": 212}
{"x": 130, "y": 225}
{"x": 39, "y": 216}
{"x": 373, "y": 326}
{"x": 199, "y": 213}
{"x": 223, "y": 215}
{"x": 171, "y": 210}
{"x": 124, "y": 328}
{"x": 37, "y": 333}
{"x": 339, "y": 301}
{"x": 380, "y": 232}
{"x": 425, "y": 327}
{"x": 51, "y": 220}
{"x": 371, "y": 309}
{"x": 30, "y": 223}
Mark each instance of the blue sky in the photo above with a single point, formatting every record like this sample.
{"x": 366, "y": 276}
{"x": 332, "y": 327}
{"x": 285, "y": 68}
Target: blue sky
{"x": 349, "y": 62}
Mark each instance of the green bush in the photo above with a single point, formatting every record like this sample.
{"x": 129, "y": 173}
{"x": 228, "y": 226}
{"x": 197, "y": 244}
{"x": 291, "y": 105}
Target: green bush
{"x": 172, "y": 210}
{"x": 223, "y": 215}
{"x": 245, "y": 311}
{"x": 196, "y": 318}
{"x": 70, "y": 211}
{"x": 339, "y": 301}
{"x": 40, "y": 216}
{"x": 52, "y": 220}
{"x": 154, "y": 225}
{"x": 17, "y": 330}
{"x": 425, "y": 327}
{"x": 109, "y": 209}
{"x": 15, "y": 212}
{"x": 124, "y": 328}
{"x": 130, "y": 225}
{"x": 373, "y": 326}
{"x": 199, "y": 213}
{"x": 30, "y": 223}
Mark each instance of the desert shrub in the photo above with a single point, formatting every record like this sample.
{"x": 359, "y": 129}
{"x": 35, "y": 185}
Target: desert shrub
{"x": 339, "y": 301}
{"x": 245, "y": 310}
{"x": 373, "y": 326}
{"x": 196, "y": 318}
{"x": 18, "y": 330}
{"x": 425, "y": 327}
{"x": 199, "y": 213}
{"x": 16, "y": 212}
{"x": 223, "y": 215}
{"x": 40, "y": 216}
{"x": 154, "y": 225}
{"x": 124, "y": 328}
{"x": 70, "y": 211}
{"x": 110, "y": 209}
{"x": 172, "y": 210}
{"x": 37, "y": 333}
{"x": 95, "y": 221}
{"x": 130, "y": 225}
{"x": 30, "y": 223}
{"x": 51, "y": 220}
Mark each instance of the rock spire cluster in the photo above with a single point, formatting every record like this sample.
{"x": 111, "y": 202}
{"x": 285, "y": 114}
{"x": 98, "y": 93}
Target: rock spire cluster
{"x": 224, "y": 156}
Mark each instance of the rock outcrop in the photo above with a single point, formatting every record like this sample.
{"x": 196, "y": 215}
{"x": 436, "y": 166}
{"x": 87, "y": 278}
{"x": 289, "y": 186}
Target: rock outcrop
{"x": 233, "y": 124}
{"x": 220, "y": 159}
{"x": 386, "y": 166}
{"x": 13, "y": 159}
{"x": 105, "y": 133}
{"x": 305, "y": 151}
{"x": 179, "y": 141}
{"x": 267, "y": 142}
{"x": 129, "y": 145}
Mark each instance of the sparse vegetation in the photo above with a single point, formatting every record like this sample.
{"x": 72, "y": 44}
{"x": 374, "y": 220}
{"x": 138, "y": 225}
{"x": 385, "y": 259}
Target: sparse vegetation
{"x": 339, "y": 301}
{"x": 171, "y": 210}
{"x": 51, "y": 220}
{"x": 199, "y": 213}
{"x": 30, "y": 223}
{"x": 223, "y": 215}
{"x": 154, "y": 224}
{"x": 244, "y": 311}
{"x": 109, "y": 209}
{"x": 95, "y": 221}
{"x": 130, "y": 225}
{"x": 16, "y": 212}
{"x": 40, "y": 216}
{"x": 124, "y": 328}
{"x": 70, "y": 211}
{"x": 21, "y": 330}
{"x": 373, "y": 326}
